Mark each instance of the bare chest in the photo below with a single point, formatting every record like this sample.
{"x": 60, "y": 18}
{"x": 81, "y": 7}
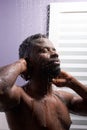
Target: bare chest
{"x": 48, "y": 113}
{"x": 51, "y": 113}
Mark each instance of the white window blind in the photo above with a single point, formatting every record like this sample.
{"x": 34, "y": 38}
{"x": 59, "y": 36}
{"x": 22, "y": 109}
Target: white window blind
{"x": 3, "y": 122}
{"x": 68, "y": 32}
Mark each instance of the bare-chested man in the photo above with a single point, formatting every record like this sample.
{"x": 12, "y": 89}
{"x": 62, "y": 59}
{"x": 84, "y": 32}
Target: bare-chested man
{"x": 35, "y": 105}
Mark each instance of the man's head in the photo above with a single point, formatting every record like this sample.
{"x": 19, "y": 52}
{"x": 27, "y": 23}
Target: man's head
{"x": 25, "y": 49}
{"x": 27, "y": 44}
{"x": 40, "y": 55}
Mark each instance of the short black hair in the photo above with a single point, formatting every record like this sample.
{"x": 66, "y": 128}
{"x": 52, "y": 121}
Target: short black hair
{"x": 27, "y": 43}
{"x": 25, "y": 49}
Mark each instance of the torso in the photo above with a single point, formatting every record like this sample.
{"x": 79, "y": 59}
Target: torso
{"x": 48, "y": 113}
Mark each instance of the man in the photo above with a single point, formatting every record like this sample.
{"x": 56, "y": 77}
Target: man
{"x": 35, "y": 105}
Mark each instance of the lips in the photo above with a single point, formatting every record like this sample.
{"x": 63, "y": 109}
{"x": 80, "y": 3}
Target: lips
{"x": 51, "y": 63}
{"x": 54, "y": 61}
{"x": 50, "y": 68}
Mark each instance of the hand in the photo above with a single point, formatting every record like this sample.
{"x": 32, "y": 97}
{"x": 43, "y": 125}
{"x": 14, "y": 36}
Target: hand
{"x": 28, "y": 69}
{"x": 23, "y": 65}
{"x": 62, "y": 80}
{"x": 23, "y": 68}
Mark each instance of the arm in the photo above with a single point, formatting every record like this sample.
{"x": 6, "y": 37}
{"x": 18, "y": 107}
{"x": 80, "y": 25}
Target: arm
{"x": 77, "y": 104}
{"x": 8, "y": 76}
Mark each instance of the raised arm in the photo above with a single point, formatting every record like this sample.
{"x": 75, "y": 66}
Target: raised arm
{"x": 8, "y": 76}
{"x": 77, "y": 104}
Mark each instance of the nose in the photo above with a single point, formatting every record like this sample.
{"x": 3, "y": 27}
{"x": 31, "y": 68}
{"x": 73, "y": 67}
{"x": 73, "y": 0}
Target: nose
{"x": 54, "y": 54}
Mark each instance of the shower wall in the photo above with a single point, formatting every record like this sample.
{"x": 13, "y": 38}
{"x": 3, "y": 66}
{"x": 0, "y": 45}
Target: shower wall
{"x": 19, "y": 19}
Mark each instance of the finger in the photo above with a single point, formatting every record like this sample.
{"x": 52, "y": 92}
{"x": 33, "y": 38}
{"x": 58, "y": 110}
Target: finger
{"x": 59, "y": 81}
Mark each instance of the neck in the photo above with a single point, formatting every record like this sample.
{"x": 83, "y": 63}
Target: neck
{"x": 39, "y": 88}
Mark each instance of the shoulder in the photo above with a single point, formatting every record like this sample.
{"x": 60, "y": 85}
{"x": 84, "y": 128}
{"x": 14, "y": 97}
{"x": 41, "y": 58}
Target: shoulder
{"x": 64, "y": 96}
{"x": 10, "y": 98}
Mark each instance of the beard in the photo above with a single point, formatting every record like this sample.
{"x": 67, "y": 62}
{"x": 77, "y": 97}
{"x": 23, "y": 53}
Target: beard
{"x": 50, "y": 71}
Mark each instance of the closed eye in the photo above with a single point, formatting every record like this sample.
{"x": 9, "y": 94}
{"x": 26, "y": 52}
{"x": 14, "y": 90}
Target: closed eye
{"x": 53, "y": 49}
{"x": 46, "y": 49}
{"x": 43, "y": 50}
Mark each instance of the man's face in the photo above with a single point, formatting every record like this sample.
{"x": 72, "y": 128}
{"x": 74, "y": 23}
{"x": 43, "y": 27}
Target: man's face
{"x": 45, "y": 59}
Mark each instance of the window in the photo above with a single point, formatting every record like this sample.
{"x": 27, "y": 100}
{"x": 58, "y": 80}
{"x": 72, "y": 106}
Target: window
{"x": 68, "y": 32}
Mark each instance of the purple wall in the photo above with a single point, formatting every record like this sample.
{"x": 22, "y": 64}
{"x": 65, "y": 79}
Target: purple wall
{"x": 18, "y": 19}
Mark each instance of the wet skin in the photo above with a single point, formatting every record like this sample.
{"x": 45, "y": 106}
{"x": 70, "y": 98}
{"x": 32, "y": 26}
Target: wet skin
{"x": 47, "y": 113}
{"x": 35, "y": 105}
